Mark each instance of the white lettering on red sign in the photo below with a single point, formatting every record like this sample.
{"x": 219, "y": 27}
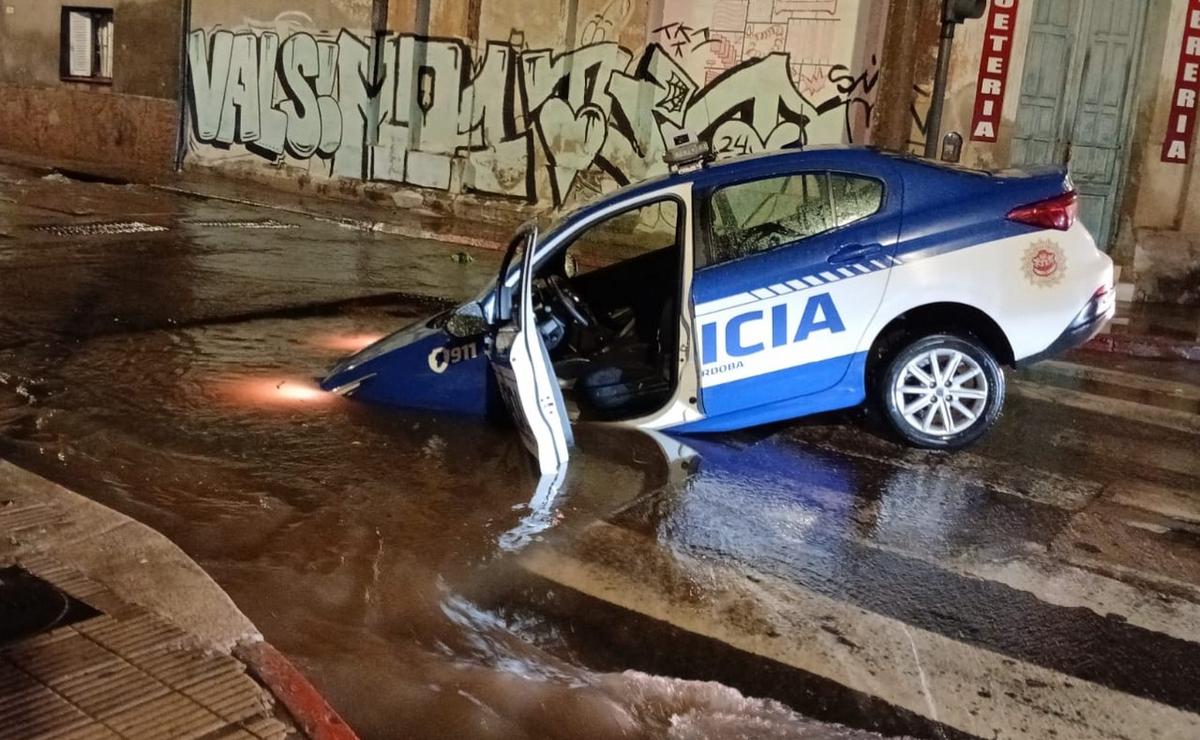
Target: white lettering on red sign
{"x": 993, "y": 70}
{"x": 1181, "y": 129}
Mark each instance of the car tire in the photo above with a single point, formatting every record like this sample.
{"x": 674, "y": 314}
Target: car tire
{"x": 944, "y": 407}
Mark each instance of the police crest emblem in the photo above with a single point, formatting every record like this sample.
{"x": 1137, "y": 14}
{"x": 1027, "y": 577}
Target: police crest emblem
{"x": 1044, "y": 264}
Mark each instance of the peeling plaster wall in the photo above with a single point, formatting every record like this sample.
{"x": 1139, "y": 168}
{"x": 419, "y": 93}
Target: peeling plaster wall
{"x": 549, "y": 102}
{"x": 960, "y": 92}
{"x": 314, "y": 16}
{"x": 1164, "y": 200}
{"x": 1164, "y": 207}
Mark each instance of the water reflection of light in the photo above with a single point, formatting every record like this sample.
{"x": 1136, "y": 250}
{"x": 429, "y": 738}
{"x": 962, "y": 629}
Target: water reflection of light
{"x": 295, "y": 392}
{"x": 346, "y": 342}
{"x": 278, "y": 392}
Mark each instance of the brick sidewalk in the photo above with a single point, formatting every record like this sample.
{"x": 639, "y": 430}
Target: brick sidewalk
{"x": 146, "y": 645}
{"x": 126, "y": 673}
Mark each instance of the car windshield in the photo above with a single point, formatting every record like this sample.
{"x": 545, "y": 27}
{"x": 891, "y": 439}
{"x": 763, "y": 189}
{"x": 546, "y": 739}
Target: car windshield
{"x": 549, "y": 227}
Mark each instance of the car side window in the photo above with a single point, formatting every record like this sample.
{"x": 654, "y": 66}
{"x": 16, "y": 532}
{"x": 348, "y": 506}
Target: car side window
{"x": 635, "y": 232}
{"x": 760, "y": 215}
{"x": 855, "y": 198}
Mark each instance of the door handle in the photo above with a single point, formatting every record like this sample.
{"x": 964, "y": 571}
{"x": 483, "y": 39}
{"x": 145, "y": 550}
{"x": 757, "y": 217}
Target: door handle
{"x": 855, "y": 253}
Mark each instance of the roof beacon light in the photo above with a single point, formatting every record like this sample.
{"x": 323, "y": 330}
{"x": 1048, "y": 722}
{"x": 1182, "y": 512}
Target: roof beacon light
{"x": 688, "y": 153}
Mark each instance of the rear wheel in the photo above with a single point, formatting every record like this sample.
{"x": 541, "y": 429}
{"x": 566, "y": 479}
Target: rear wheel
{"x": 941, "y": 391}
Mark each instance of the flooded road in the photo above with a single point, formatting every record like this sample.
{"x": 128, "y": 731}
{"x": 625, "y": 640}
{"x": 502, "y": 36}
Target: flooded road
{"x": 1046, "y": 583}
{"x": 348, "y": 535}
{"x": 169, "y": 375}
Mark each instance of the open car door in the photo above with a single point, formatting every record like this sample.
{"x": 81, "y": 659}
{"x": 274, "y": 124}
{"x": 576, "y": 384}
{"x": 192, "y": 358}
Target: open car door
{"x": 522, "y": 364}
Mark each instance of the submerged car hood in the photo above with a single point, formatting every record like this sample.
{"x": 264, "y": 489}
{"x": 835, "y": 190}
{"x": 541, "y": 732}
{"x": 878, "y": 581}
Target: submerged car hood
{"x": 409, "y": 335}
{"x": 420, "y": 366}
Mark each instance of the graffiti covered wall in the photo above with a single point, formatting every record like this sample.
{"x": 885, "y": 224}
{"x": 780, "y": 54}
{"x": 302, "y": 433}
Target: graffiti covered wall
{"x": 509, "y": 118}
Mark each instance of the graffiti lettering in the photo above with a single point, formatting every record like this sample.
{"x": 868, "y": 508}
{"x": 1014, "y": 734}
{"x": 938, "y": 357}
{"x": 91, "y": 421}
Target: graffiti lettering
{"x": 681, "y": 37}
{"x": 533, "y": 124}
{"x": 856, "y": 97}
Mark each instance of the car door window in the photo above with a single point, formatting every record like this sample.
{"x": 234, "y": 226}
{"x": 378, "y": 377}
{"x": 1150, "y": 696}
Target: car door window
{"x": 627, "y": 235}
{"x": 855, "y": 198}
{"x": 757, "y": 216}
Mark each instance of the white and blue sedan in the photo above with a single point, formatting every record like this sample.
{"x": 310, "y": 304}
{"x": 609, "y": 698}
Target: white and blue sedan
{"x": 765, "y": 288}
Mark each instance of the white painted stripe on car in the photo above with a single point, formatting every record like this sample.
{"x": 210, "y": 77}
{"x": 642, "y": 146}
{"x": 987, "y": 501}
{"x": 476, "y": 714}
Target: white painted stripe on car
{"x": 781, "y": 289}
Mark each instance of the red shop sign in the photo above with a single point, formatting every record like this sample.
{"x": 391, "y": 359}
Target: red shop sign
{"x": 993, "y": 69}
{"x": 1181, "y": 126}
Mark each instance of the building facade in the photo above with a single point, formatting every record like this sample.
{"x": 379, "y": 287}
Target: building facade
{"x": 523, "y": 105}
{"x": 540, "y": 102}
{"x": 1109, "y": 89}
{"x": 92, "y": 81}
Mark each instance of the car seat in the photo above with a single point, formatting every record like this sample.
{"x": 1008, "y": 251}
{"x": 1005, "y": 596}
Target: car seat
{"x": 630, "y": 379}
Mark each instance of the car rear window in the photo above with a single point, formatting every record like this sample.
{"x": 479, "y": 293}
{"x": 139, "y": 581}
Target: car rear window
{"x": 757, "y": 216}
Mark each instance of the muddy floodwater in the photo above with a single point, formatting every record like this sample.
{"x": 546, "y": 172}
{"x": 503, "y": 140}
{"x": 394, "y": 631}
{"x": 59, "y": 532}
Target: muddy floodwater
{"x": 354, "y": 537}
{"x": 158, "y": 353}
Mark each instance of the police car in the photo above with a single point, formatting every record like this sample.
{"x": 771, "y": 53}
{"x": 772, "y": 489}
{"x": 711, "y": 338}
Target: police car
{"x": 764, "y": 288}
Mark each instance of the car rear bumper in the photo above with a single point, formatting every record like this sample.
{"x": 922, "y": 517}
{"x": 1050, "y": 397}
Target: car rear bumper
{"x": 1087, "y": 324}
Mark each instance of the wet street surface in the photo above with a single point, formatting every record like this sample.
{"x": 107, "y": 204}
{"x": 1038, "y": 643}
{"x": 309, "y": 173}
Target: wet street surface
{"x": 774, "y": 583}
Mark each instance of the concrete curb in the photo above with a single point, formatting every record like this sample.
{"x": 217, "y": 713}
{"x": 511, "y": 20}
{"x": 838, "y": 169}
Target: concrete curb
{"x": 1149, "y": 347}
{"x": 308, "y": 708}
{"x": 158, "y": 616}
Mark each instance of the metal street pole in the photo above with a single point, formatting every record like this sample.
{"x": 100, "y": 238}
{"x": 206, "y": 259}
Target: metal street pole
{"x": 954, "y": 12}
{"x": 933, "y": 123}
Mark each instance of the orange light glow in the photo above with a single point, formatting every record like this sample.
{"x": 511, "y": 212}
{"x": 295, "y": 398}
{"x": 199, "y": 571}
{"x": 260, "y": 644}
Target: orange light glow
{"x": 296, "y": 392}
{"x": 277, "y": 392}
{"x": 346, "y": 342}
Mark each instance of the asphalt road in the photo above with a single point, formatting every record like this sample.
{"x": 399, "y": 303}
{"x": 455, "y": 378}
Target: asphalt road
{"x": 154, "y": 355}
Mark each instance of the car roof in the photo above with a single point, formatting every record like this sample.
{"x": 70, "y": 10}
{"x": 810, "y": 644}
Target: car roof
{"x": 748, "y": 166}
{"x": 731, "y": 169}
{"x": 737, "y": 168}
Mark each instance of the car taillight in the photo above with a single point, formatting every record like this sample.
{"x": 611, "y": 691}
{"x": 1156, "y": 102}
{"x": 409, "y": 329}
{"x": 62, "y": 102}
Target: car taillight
{"x": 1059, "y": 212}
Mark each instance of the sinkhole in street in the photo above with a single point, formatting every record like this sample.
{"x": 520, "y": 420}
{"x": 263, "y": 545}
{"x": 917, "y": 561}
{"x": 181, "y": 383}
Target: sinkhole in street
{"x": 370, "y": 545}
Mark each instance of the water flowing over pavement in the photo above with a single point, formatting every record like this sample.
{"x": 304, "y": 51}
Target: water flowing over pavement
{"x": 1046, "y": 583}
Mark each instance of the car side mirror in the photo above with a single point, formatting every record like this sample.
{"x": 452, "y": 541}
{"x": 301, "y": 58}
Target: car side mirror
{"x": 467, "y": 322}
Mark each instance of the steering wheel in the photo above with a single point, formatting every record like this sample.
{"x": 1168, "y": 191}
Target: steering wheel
{"x": 570, "y": 301}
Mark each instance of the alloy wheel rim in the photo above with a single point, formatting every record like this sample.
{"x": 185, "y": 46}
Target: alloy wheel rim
{"x": 941, "y": 392}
